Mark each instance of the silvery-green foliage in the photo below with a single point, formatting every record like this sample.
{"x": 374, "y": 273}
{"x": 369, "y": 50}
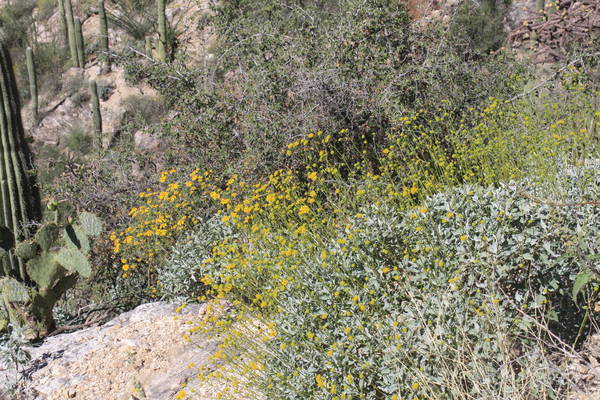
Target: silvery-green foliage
{"x": 12, "y": 347}
{"x": 442, "y": 298}
{"x": 178, "y": 277}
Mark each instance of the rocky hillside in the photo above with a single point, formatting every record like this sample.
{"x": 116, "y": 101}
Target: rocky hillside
{"x": 352, "y": 199}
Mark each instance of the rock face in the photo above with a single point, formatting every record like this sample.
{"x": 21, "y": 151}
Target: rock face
{"x": 69, "y": 109}
{"x": 141, "y": 354}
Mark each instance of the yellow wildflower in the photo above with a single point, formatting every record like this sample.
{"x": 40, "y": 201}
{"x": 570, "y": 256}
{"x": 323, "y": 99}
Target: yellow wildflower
{"x": 320, "y": 381}
{"x": 303, "y": 210}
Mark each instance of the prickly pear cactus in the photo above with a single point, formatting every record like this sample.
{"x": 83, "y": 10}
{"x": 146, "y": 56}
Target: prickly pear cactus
{"x": 55, "y": 257}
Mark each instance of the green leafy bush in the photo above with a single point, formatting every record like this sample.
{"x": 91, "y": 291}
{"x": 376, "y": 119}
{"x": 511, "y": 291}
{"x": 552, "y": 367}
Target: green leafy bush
{"x": 142, "y": 111}
{"x": 449, "y": 300}
{"x": 478, "y": 27}
{"x": 78, "y": 141}
{"x": 328, "y": 65}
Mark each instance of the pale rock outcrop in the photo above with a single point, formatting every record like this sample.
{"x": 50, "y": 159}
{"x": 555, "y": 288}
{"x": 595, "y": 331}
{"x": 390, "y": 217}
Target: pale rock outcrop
{"x": 142, "y": 353}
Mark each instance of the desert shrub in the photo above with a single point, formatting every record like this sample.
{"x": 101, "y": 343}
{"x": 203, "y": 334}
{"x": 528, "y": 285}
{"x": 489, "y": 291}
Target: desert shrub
{"x": 15, "y": 20}
{"x": 423, "y": 154}
{"x": 433, "y": 302}
{"x": 50, "y": 59}
{"x": 106, "y": 184}
{"x": 478, "y": 27}
{"x": 504, "y": 141}
{"x": 105, "y": 89}
{"x": 76, "y": 87}
{"x": 327, "y": 65}
{"x": 179, "y": 275}
{"x": 407, "y": 297}
{"x": 135, "y": 17}
{"x": 45, "y": 9}
{"x": 78, "y": 141}
{"x": 142, "y": 111}
{"x": 394, "y": 284}
{"x": 166, "y": 213}
{"x": 50, "y": 163}
{"x": 14, "y": 355}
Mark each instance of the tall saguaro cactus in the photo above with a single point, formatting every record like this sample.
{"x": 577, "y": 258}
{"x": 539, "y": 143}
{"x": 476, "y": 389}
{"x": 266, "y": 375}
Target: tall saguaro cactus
{"x": 161, "y": 48}
{"x": 63, "y": 22}
{"x": 103, "y": 45}
{"x": 71, "y": 31}
{"x": 97, "y": 117}
{"x": 79, "y": 43}
{"x": 32, "y": 83}
{"x": 19, "y": 200}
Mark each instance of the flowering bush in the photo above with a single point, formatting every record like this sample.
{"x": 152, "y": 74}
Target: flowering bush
{"x": 406, "y": 305}
{"x": 433, "y": 302}
{"x": 373, "y": 268}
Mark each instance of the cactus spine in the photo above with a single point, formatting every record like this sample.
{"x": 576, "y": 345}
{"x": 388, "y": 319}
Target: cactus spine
{"x": 161, "y": 48}
{"x": 80, "y": 44}
{"x": 104, "y": 50}
{"x": 20, "y": 201}
{"x": 71, "y": 31}
{"x": 32, "y": 83}
{"x": 63, "y": 22}
{"x": 97, "y": 117}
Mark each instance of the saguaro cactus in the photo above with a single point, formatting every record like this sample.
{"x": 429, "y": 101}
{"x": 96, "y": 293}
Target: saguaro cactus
{"x": 97, "y": 117}
{"x": 80, "y": 44}
{"x": 103, "y": 39}
{"x": 71, "y": 31}
{"x": 161, "y": 48}
{"x": 19, "y": 200}
{"x": 63, "y": 22}
{"x": 32, "y": 83}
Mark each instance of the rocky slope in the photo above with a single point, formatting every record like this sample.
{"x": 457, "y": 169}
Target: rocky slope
{"x": 141, "y": 354}
{"x": 68, "y": 109}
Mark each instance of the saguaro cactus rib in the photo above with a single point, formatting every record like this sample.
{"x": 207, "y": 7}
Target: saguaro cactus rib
{"x": 96, "y": 115}
{"x": 71, "y": 31}
{"x": 80, "y": 43}
{"x": 63, "y": 21}
{"x": 32, "y": 83}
